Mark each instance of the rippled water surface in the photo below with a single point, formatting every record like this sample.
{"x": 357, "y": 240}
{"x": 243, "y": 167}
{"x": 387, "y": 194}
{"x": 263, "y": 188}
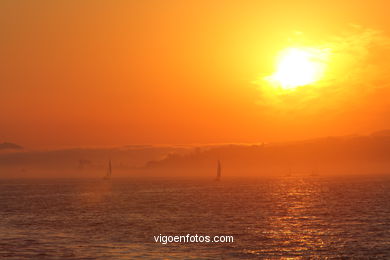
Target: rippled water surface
{"x": 288, "y": 217}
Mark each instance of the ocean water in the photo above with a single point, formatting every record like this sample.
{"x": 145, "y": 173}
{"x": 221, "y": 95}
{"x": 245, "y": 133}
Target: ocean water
{"x": 290, "y": 217}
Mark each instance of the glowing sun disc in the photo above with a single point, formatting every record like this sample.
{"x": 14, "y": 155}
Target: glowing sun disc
{"x": 297, "y": 67}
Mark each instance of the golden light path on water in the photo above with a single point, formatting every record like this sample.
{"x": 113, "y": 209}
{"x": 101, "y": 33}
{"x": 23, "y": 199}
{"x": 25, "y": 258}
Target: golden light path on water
{"x": 287, "y": 217}
{"x": 298, "y": 229}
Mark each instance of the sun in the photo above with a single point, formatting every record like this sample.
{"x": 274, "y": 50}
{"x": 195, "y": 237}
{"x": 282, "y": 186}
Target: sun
{"x": 298, "y": 67}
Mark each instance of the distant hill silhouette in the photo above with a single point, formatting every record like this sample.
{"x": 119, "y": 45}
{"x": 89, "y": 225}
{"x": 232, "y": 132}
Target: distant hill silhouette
{"x": 334, "y": 155}
{"x": 81, "y": 162}
{"x": 10, "y": 146}
{"x": 382, "y": 133}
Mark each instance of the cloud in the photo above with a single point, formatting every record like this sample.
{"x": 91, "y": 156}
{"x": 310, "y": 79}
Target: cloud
{"x": 356, "y": 69}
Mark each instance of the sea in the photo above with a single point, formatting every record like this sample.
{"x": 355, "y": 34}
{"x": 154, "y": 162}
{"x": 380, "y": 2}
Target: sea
{"x": 274, "y": 218}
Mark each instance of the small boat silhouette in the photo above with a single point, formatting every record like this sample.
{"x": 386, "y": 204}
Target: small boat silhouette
{"x": 219, "y": 169}
{"x": 109, "y": 171}
{"x": 314, "y": 173}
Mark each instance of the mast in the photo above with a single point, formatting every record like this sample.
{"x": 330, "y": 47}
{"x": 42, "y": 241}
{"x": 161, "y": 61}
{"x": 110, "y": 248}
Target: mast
{"x": 109, "y": 172}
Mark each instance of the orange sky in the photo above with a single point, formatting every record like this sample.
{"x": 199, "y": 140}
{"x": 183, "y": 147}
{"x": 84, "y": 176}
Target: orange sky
{"x": 160, "y": 72}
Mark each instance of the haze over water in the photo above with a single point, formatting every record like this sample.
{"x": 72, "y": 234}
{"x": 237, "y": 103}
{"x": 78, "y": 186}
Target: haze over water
{"x": 117, "y": 219}
{"x": 160, "y": 97}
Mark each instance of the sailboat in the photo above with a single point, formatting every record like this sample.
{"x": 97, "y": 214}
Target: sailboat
{"x": 314, "y": 173}
{"x": 289, "y": 173}
{"x": 109, "y": 172}
{"x": 219, "y": 169}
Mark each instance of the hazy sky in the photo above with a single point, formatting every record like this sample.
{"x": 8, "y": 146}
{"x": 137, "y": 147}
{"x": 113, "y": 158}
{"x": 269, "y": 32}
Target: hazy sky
{"x": 159, "y": 72}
